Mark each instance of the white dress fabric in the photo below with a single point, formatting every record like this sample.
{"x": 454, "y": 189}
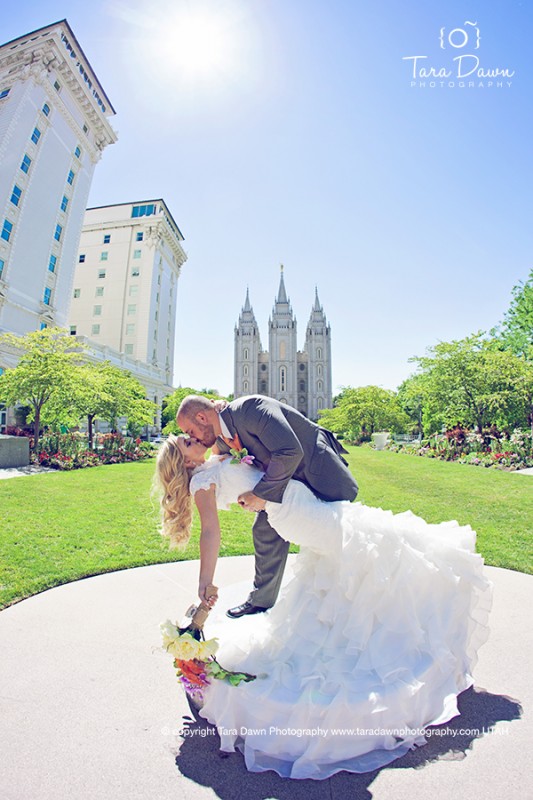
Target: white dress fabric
{"x": 369, "y": 643}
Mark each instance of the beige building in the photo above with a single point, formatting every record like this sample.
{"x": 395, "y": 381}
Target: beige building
{"x": 125, "y": 289}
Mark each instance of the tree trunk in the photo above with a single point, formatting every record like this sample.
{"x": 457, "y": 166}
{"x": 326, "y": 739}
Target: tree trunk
{"x": 36, "y": 429}
{"x": 90, "y": 418}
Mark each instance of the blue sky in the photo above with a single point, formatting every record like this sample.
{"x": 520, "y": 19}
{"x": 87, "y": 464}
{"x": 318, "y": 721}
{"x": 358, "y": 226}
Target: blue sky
{"x": 302, "y": 141}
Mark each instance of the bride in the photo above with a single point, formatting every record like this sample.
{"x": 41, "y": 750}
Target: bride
{"x": 370, "y": 642}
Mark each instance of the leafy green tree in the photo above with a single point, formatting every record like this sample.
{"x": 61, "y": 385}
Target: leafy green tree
{"x": 104, "y": 391}
{"x": 471, "y": 382}
{"x": 44, "y": 375}
{"x": 516, "y": 330}
{"x": 172, "y": 402}
{"x": 365, "y": 410}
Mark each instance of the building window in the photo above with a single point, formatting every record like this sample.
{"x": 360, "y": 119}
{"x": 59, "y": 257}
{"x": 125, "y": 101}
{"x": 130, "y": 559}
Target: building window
{"x": 283, "y": 379}
{"x": 156, "y": 315}
{"x": 246, "y": 354}
{"x": 16, "y": 194}
{"x": 319, "y": 369}
{"x": 95, "y": 329}
{"x": 319, "y": 352}
{"x": 57, "y": 86}
{"x": 135, "y": 272}
{"x": 57, "y": 234}
{"x": 77, "y": 151}
{"x": 6, "y": 230}
{"x": 97, "y": 311}
{"x": 245, "y": 386}
{"x": 143, "y": 211}
{"x": 134, "y": 291}
{"x": 64, "y": 203}
{"x": 319, "y": 386}
{"x": 46, "y": 110}
{"x": 128, "y": 349}
{"x": 245, "y": 371}
{"x": 139, "y": 236}
{"x": 26, "y": 162}
{"x": 73, "y": 330}
{"x": 43, "y": 326}
{"x": 1, "y": 266}
{"x": 107, "y": 238}
{"x": 36, "y": 135}
{"x": 320, "y": 403}
{"x": 77, "y": 292}
{"x": 70, "y": 176}
{"x": 302, "y": 386}
{"x": 136, "y": 253}
{"x": 47, "y": 296}
{"x": 132, "y": 309}
{"x": 103, "y": 255}
{"x": 52, "y": 263}
{"x": 85, "y": 129}
{"x": 81, "y": 258}
{"x": 101, "y": 273}
{"x": 4, "y": 93}
{"x": 99, "y": 291}
{"x": 130, "y": 329}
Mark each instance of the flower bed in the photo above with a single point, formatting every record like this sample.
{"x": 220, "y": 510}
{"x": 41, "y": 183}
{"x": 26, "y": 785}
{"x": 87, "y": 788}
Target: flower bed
{"x": 491, "y": 449}
{"x": 71, "y": 450}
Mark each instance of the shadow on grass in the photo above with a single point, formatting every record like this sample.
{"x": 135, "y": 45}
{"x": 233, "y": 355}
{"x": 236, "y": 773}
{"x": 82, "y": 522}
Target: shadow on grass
{"x": 201, "y": 761}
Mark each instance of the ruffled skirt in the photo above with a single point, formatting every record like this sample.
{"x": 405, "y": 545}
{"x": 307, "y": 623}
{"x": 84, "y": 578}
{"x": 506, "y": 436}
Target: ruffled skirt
{"x": 370, "y": 642}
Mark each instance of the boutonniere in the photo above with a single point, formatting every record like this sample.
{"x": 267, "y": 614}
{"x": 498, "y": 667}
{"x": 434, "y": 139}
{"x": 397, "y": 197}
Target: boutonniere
{"x": 241, "y": 456}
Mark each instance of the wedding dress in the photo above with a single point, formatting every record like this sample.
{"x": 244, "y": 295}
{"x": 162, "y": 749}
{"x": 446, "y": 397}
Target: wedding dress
{"x": 370, "y": 641}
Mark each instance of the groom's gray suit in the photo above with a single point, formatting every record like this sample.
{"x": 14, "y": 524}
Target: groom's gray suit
{"x": 285, "y": 445}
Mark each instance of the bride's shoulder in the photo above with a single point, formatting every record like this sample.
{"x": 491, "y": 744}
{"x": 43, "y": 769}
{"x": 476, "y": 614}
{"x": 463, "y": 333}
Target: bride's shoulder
{"x": 206, "y": 475}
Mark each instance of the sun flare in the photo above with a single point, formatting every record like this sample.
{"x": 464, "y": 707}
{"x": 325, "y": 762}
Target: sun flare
{"x": 197, "y": 44}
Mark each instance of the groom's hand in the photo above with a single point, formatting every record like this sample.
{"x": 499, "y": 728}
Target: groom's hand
{"x": 250, "y": 502}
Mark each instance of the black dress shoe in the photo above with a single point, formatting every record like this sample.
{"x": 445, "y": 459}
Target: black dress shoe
{"x": 245, "y": 608}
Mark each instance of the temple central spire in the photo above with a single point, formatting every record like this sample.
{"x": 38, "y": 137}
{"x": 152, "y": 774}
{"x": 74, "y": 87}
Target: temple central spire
{"x": 282, "y": 294}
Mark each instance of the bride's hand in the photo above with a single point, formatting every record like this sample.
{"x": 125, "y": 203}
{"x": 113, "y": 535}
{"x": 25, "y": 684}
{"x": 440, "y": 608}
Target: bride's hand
{"x": 209, "y": 599}
{"x": 251, "y": 502}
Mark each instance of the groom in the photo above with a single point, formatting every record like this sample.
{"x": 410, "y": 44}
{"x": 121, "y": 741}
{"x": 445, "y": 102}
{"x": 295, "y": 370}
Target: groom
{"x": 285, "y": 445}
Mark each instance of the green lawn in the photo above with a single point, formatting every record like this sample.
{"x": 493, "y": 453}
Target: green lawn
{"x": 62, "y": 526}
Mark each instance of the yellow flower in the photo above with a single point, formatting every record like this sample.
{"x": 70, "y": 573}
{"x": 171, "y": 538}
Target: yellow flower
{"x": 185, "y": 647}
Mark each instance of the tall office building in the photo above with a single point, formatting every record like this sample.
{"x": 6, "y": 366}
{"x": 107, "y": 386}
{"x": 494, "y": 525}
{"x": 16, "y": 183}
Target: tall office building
{"x": 54, "y": 125}
{"x": 125, "y": 288}
{"x": 301, "y": 379}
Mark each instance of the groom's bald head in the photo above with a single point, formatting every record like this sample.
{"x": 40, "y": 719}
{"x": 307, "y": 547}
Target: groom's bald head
{"x": 192, "y": 404}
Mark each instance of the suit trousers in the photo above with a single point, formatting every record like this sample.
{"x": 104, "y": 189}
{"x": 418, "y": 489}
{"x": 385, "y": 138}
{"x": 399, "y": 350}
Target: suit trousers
{"x": 270, "y": 558}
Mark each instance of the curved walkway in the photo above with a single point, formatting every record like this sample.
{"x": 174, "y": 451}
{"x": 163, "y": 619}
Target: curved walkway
{"x": 90, "y": 707}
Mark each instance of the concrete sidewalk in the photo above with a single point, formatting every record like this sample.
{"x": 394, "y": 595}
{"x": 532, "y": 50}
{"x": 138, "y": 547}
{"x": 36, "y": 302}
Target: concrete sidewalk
{"x": 90, "y": 707}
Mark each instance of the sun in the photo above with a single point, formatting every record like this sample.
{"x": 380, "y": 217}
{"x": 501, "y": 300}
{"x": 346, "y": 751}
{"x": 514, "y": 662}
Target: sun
{"x": 197, "y": 43}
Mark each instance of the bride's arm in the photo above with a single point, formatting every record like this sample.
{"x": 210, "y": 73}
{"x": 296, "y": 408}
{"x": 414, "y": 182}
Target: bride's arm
{"x": 205, "y": 500}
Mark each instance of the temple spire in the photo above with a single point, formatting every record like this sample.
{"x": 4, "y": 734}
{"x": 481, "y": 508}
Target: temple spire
{"x": 317, "y": 306}
{"x": 282, "y": 294}
{"x": 247, "y": 306}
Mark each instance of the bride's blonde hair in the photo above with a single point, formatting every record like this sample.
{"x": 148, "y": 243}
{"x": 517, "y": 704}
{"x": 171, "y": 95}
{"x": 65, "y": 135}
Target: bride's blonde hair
{"x": 172, "y": 478}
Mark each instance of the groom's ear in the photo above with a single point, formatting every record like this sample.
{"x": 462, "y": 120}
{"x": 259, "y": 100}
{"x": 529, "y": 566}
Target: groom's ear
{"x": 201, "y": 417}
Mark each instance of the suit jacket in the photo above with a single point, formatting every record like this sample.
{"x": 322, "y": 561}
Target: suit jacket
{"x": 287, "y": 445}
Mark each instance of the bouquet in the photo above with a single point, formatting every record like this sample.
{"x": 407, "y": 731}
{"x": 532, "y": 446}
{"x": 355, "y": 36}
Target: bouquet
{"x": 194, "y": 657}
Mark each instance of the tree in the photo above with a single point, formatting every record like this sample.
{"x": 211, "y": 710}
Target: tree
{"x": 516, "y": 330}
{"x": 104, "y": 391}
{"x": 365, "y": 410}
{"x": 44, "y": 375}
{"x": 470, "y": 382}
{"x": 172, "y": 402}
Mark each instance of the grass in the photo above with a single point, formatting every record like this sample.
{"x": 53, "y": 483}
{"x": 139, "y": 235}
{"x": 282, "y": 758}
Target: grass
{"x": 62, "y": 526}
